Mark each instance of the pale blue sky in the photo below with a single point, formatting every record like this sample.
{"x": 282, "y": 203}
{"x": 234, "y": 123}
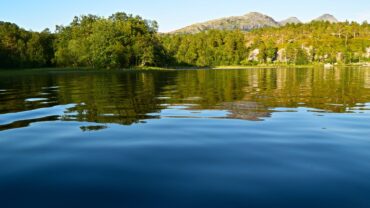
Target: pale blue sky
{"x": 174, "y": 14}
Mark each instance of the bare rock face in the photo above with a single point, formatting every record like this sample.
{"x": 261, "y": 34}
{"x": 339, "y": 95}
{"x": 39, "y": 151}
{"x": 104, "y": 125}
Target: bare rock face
{"x": 308, "y": 50}
{"x": 250, "y": 21}
{"x": 281, "y": 56}
{"x": 327, "y": 18}
{"x": 367, "y": 55}
{"x": 339, "y": 57}
{"x": 290, "y": 20}
{"x": 253, "y": 56}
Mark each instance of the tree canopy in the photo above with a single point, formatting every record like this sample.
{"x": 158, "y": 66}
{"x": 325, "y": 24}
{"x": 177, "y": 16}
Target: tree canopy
{"x": 118, "y": 41}
{"x": 21, "y": 48}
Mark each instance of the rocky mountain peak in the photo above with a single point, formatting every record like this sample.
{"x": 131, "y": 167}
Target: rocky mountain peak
{"x": 290, "y": 20}
{"x": 247, "y": 22}
{"x": 327, "y": 18}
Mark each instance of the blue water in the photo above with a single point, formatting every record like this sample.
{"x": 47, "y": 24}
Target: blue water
{"x": 227, "y": 138}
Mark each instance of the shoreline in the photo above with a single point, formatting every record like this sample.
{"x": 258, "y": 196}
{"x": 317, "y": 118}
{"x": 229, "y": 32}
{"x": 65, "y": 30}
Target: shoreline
{"x": 175, "y": 68}
{"x": 366, "y": 65}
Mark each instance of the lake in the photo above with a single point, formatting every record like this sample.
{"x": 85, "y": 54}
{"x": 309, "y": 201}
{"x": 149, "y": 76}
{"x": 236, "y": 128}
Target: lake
{"x": 185, "y": 138}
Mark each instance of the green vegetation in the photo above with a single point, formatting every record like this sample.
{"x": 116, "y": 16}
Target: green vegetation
{"x": 211, "y": 48}
{"x": 119, "y": 41}
{"x": 21, "y": 48}
{"x": 299, "y": 44}
{"x": 322, "y": 42}
{"x": 126, "y": 41}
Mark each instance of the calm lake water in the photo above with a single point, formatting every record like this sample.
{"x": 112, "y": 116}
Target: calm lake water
{"x": 187, "y": 138}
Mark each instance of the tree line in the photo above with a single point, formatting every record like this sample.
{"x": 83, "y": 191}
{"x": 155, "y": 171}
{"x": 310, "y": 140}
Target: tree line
{"x": 123, "y": 40}
{"x": 299, "y": 44}
{"x": 21, "y": 48}
{"x": 118, "y": 41}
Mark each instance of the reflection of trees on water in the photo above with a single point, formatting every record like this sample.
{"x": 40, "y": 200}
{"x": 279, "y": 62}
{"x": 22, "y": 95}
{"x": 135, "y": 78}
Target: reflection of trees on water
{"x": 26, "y": 123}
{"x": 334, "y": 90}
{"x": 249, "y": 94}
{"x": 129, "y": 97}
{"x": 123, "y": 98}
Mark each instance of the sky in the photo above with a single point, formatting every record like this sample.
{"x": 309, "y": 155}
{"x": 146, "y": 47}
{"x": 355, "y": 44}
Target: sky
{"x": 174, "y": 14}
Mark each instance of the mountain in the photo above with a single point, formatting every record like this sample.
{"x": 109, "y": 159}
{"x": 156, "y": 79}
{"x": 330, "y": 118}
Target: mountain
{"x": 290, "y": 20}
{"x": 327, "y": 18}
{"x": 247, "y": 22}
{"x": 250, "y": 21}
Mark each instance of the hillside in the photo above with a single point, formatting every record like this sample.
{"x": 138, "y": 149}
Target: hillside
{"x": 290, "y": 20}
{"x": 248, "y": 22}
{"x": 327, "y": 18}
{"x": 317, "y": 42}
{"x": 253, "y": 20}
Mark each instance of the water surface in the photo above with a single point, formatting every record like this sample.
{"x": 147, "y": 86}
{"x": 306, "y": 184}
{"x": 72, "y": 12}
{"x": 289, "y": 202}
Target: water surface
{"x": 188, "y": 138}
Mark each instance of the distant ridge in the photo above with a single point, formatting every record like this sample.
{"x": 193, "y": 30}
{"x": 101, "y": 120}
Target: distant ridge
{"x": 247, "y": 22}
{"x": 290, "y": 20}
{"x": 327, "y": 18}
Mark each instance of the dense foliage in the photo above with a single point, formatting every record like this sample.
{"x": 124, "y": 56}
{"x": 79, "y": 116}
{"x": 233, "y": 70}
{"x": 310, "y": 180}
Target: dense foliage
{"x": 127, "y": 41}
{"x": 207, "y": 48}
{"x": 118, "y": 41}
{"x": 320, "y": 42}
{"x": 315, "y": 42}
{"x": 21, "y": 48}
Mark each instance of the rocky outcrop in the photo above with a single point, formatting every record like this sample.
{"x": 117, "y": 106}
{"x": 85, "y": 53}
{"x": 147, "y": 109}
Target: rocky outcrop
{"x": 339, "y": 57}
{"x": 367, "y": 54}
{"x": 281, "y": 56}
{"x": 308, "y": 51}
{"x": 253, "y": 56}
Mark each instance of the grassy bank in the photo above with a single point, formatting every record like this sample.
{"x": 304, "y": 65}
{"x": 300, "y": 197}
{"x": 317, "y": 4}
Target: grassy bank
{"x": 261, "y": 66}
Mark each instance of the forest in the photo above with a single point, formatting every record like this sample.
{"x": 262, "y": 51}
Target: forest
{"x": 125, "y": 41}
{"x": 297, "y": 44}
